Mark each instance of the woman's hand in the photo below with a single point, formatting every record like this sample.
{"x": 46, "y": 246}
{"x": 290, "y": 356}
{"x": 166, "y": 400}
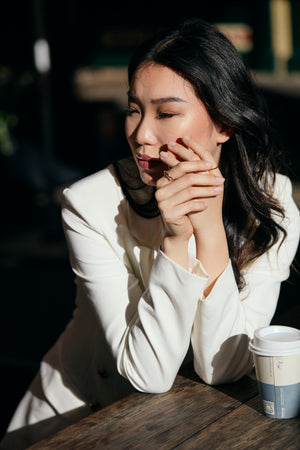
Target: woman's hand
{"x": 201, "y": 181}
{"x": 184, "y": 193}
{"x": 190, "y": 199}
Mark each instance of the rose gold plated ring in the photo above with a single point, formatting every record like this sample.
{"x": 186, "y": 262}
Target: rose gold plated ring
{"x": 213, "y": 168}
{"x": 168, "y": 176}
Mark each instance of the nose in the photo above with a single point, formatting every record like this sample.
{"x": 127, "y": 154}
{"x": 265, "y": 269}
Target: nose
{"x": 145, "y": 132}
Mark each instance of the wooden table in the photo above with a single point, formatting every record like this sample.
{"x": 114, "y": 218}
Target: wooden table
{"x": 192, "y": 415}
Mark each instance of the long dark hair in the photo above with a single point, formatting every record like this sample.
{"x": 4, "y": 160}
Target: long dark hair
{"x": 202, "y": 55}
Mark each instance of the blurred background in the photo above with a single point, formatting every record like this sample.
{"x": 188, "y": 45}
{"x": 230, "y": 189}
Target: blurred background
{"x": 62, "y": 94}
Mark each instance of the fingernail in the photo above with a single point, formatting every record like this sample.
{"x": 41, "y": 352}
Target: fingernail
{"x": 217, "y": 188}
{"x": 171, "y": 144}
{"x": 208, "y": 164}
{"x": 186, "y": 138}
{"x": 163, "y": 154}
{"x": 221, "y": 179}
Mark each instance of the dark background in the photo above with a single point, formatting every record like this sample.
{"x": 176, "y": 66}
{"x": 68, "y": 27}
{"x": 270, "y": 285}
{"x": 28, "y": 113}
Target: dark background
{"x": 37, "y": 290}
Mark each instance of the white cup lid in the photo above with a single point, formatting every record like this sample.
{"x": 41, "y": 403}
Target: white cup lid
{"x": 275, "y": 340}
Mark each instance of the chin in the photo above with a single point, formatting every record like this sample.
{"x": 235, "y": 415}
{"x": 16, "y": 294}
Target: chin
{"x": 148, "y": 179}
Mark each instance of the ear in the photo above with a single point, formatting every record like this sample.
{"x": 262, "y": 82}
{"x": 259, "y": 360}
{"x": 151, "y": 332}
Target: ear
{"x": 224, "y": 133}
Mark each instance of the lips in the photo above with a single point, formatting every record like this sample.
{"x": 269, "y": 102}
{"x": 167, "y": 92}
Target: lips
{"x": 147, "y": 158}
{"x": 147, "y": 162}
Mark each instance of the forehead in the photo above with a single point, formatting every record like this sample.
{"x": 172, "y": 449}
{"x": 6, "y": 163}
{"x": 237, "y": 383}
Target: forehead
{"x": 159, "y": 81}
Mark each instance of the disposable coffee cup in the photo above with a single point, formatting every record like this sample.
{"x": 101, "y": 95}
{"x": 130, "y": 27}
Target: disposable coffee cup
{"x": 276, "y": 353}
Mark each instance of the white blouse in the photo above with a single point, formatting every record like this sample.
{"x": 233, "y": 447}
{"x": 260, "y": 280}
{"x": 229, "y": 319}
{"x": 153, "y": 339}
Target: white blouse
{"x": 137, "y": 311}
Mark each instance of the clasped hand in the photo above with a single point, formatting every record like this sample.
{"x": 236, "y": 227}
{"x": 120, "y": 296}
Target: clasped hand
{"x": 190, "y": 195}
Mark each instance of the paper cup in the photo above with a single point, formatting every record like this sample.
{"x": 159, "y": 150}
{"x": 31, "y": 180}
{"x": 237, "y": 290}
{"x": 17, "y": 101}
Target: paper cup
{"x": 276, "y": 353}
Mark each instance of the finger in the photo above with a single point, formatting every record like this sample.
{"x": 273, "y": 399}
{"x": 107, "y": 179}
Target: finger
{"x": 201, "y": 151}
{"x": 175, "y": 214}
{"x": 201, "y": 172}
{"x": 190, "y": 186}
{"x": 175, "y": 173}
{"x": 196, "y": 193}
{"x": 175, "y": 152}
{"x": 182, "y": 152}
{"x": 170, "y": 160}
{"x": 194, "y": 172}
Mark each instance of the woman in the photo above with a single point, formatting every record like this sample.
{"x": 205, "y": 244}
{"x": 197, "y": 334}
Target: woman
{"x": 191, "y": 248}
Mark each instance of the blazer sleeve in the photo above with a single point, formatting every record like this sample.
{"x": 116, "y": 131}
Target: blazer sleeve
{"x": 148, "y": 331}
{"x": 227, "y": 318}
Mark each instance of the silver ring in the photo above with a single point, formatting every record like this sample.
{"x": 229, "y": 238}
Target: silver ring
{"x": 168, "y": 176}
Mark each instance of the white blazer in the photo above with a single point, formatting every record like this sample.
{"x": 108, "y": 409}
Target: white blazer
{"x": 137, "y": 311}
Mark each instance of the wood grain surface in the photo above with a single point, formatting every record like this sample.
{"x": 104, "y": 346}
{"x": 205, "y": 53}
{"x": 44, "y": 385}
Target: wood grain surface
{"x": 192, "y": 415}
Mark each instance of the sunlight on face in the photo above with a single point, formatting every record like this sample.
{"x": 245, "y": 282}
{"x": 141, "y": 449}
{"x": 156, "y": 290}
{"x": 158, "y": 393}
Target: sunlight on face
{"x": 163, "y": 107}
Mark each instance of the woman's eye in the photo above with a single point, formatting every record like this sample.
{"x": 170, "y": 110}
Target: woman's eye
{"x": 162, "y": 115}
{"x": 130, "y": 111}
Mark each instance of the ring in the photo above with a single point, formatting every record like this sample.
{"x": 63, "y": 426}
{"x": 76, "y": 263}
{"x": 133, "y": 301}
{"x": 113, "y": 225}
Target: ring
{"x": 213, "y": 168}
{"x": 168, "y": 176}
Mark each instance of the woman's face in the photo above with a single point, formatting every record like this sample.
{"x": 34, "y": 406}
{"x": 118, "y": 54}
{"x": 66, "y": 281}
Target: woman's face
{"x": 162, "y": 108}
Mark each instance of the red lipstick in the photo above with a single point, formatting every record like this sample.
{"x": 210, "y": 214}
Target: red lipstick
{"x": 147, "y": 162}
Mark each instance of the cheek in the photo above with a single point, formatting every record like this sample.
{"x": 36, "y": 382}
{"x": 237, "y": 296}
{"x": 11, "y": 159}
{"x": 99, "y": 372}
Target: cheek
{"x": 130, "y": 127}
{"x": 128, "y": 131}
{"x": 175, "y": 129}
{"x": 201, "y": 129}
{"x": 193, "y": 125}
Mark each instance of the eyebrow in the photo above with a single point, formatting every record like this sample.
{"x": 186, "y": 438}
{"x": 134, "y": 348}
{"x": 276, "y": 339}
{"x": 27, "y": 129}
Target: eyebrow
{"x": 157, "y": 101}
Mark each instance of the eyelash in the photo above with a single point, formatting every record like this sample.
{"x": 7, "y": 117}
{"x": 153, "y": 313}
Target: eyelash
{"x": 165, "y": 115}
{"x": 129, "y": 111}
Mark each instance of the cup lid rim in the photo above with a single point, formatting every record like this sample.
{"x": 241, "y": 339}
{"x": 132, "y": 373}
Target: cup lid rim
{"x": 262, "y": 344}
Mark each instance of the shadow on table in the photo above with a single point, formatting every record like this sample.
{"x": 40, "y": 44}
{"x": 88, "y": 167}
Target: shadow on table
{"x": 243, "y": 390}
{"x": 24, "y": 437}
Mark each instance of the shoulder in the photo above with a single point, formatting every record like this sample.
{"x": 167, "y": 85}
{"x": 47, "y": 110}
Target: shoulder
{"x": 96, "y": 195}
{"x": 283, "y": 192}
{"x": 102, "y": 186}
{"x": 95, "y": 185}
{"x": 282, "y": 189}
{"x": 279, "y": 257}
